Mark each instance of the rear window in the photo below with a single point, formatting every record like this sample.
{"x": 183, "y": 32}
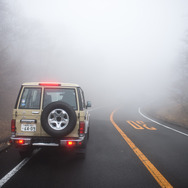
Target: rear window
{"x": 30, "y": 98}
{"x": 60, "y": 94}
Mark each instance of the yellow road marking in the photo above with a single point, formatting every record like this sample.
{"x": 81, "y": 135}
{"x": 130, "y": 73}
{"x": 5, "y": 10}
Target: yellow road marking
{"x": 151, "y": 168}
{"x": 135, "y": 125}
{"x": 149, "y": 128}
{"x": 144, "y": 125}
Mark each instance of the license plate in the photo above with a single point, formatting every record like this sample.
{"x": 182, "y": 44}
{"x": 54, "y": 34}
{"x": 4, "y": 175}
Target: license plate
{"x": 28, "y": 127}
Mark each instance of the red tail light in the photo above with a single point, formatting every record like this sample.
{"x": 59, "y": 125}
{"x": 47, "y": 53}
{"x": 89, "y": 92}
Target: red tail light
{"x": 49, "y": 84}
{"x": 20, "y": 142}
{"x": 13, "y": 126}
{"x": 71, "y": 143}
{"x": 82, "y": 128}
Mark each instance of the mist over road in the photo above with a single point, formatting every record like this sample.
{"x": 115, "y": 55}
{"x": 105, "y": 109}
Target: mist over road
{"x": 110, "y": 160}
{"x": 130, "y": 44}
{"x": 122, "y": 53}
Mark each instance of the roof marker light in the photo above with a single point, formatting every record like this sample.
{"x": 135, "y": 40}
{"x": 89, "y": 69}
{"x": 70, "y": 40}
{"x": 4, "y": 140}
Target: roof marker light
{"x": 49, "y": 84}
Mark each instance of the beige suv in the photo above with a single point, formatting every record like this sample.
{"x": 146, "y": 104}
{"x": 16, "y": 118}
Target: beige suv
{"x": 50, "y": 114}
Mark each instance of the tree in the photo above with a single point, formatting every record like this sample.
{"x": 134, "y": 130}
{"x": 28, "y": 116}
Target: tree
{"x": 10, "y": 37}
{"x": 181, "y": 86}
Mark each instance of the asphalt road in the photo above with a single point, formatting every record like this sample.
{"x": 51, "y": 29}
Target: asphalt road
{"x": 124, "y": 150}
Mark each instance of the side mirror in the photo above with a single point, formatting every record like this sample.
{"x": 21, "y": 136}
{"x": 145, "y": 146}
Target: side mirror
{"x": 88, "y": 104}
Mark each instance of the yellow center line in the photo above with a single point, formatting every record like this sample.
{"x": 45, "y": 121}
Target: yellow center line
{"x": 152, "y": 169}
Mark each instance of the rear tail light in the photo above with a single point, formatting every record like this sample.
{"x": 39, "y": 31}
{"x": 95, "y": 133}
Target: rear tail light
{"x": 82, "y": 128}
{"x": 20, "y": 142}
{"x": 13, "y": 126}
{"x": 71, "y": 143}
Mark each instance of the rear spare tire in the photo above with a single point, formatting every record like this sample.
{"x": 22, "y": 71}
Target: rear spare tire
{"x": 58, "y": 119}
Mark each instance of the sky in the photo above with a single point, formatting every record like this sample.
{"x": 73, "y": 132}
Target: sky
{"x": 123, "y": 49}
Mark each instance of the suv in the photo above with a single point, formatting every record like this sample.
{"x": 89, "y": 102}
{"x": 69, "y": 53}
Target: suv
{"x": 50, "y": 114}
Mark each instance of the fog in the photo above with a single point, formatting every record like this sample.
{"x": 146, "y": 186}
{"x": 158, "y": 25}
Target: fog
{"x": 116, "y": 50}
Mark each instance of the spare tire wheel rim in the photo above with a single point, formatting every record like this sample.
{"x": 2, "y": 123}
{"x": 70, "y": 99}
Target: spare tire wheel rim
{"x": 58, "y": 119}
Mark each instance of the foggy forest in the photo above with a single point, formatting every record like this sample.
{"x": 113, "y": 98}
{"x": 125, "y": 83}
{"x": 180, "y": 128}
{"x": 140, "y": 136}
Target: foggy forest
{"x": 119, "y": 52}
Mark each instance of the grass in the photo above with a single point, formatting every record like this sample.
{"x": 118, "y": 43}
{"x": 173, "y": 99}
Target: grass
{"x": 172, "y": 113}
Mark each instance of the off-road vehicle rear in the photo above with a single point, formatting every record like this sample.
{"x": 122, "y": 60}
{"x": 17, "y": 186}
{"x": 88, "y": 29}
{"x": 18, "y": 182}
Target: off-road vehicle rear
{"x": 50, "y": 114}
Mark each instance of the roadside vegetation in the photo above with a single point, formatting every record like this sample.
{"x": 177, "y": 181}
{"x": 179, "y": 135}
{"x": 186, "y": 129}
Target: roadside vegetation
{"x": 15, "y": 33}
{"x": 176, "y": 109}
{"x": 9, "y": 69}
{"x": 5, "y": 130}
{"x": 170, "y": 112}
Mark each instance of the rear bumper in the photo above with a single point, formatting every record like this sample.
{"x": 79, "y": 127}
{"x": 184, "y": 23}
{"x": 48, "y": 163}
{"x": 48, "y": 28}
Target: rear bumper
{"x": 46, "y": 141}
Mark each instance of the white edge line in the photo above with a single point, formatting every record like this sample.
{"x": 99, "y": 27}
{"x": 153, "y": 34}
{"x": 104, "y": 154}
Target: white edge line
{"x": 161, "y": 123}
{"x": 16, "y": 169}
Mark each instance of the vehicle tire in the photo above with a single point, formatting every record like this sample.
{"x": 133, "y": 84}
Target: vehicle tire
{"x": 81, "y": 153}
{"x": 58, "y": 119}
{"x": 88, "y": 134}
{"x": 84, "y": 145}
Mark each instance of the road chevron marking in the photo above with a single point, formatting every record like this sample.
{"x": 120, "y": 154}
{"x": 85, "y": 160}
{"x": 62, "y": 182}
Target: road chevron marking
{"x": 151, "y": 168}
